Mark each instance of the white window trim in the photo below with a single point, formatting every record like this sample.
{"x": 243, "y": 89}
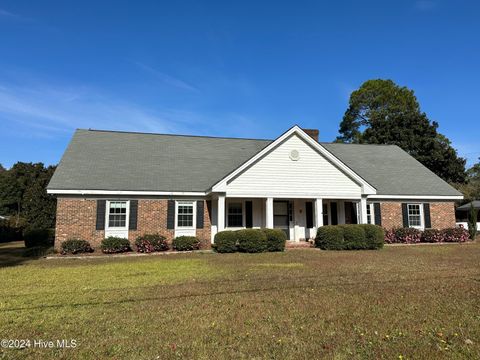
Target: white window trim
{"x": 194, "y": 222}
{"x": 107, "y": 215}
{"x": 227, "y": 205}
{"x": 422, "y": 218}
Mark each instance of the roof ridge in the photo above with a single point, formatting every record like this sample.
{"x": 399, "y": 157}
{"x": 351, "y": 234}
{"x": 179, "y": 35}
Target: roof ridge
{"x": 335, "y": 143}
{"x": 180, "y": 135}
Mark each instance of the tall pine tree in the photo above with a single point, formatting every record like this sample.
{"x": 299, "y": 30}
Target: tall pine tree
{"x": 381, "y": 112}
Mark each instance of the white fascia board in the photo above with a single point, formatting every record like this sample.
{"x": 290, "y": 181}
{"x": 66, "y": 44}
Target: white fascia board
{"x": 124, "y": 192}
{"x": 367, "y": 189}
{"x": 417, "y": 197}
{"x": 291, "y": 196}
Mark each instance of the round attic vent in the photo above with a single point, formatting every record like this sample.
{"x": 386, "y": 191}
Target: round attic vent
{"x": 294, "y": 155}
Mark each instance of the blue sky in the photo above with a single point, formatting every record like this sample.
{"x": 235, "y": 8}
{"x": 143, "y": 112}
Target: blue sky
{"x": 242, "y": 69}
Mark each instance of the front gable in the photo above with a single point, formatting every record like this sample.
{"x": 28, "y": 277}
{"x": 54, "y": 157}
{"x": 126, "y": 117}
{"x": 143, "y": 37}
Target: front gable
{"x": 295, "y": 165}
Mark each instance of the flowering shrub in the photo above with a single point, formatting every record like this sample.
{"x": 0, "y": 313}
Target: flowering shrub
{"x": 76, "y": 246}
{"x": 186, "y": 243}
{"x": 413, "y": 236}
{"x": 408, "y": 235}
{"x": 390, "y": 236}
{"x": 151, "y": 242}
{"x": 455, "y": 235}
{"x": 114, "y": 244}
{"x": 432, "y": 236}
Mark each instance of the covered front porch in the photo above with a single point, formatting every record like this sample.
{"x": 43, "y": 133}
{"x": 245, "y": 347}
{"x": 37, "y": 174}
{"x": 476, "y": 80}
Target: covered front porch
{"x": 298, "y": 217}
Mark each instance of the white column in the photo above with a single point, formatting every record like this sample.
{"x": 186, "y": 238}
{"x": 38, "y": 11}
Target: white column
{"x": 221, "y": 213}
{"x": 318, "y": 213}
{"x": 269, "y": 213}
{"x": 363, "y": 210}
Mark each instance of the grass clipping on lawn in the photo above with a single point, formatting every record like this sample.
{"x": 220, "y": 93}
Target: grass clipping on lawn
{"x": 400, "y": 302}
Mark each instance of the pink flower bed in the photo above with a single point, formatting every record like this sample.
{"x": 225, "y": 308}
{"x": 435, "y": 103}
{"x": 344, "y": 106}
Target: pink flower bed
{"x": 413, "y": 236}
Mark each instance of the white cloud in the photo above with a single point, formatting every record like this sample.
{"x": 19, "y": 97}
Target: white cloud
{"x": 167, "y": 79}
{"x": 46, "y": 109}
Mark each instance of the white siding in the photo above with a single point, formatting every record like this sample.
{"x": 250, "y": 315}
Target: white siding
{"x": 277, "y": 175}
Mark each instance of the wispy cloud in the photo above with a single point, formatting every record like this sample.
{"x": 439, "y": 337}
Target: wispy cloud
{"x": 167, "y": 79}
{"x": 45, "y": 110}
{"x": 425, "y": 5}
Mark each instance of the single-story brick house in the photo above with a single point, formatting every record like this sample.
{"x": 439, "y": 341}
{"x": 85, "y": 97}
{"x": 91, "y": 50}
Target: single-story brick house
{"x": 126, "y": 184}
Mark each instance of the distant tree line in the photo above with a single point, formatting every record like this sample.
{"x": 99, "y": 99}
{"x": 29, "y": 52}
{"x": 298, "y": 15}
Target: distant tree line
{"x": 24, "y": 198}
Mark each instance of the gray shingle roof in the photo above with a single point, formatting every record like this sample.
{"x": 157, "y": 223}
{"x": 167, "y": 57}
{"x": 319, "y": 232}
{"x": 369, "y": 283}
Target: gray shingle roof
{"x": 466, "y": 207}
{"x": 390, "y": 170}
{"x": 109, "y": 160}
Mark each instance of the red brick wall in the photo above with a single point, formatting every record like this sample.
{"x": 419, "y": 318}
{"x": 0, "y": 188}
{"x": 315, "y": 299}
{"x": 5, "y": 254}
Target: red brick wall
{"x": 442, "y": 214}
{"x": 391, "y": 214}
{"x": 76, "y": 218}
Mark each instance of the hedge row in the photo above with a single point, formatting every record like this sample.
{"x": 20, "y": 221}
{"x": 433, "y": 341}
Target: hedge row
{"x": 250, "y": 241}
{"x": 413, "y": 236}
{"x": 144, "y": 244}
{"x": 350, "y": 237}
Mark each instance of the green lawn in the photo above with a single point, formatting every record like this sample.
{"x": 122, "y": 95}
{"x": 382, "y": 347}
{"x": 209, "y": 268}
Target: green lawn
{"x": 411, "y": 302}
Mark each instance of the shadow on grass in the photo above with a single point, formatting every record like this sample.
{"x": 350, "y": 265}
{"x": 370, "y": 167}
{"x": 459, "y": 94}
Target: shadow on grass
{"x": 13, "y": 254}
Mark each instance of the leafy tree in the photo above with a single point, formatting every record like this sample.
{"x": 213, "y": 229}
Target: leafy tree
{"x": 2, "y": 169}
{"x": 381, "y": 112}
{"x": 23, "y": 194}
{"x": 38, "y": 206}
{"x": 472, "y": 222}
{"x": 471, "y": 189}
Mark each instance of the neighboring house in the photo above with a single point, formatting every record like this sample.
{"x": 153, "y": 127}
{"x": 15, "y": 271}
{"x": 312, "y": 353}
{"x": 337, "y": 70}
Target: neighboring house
{"x": 126, "y": 184}
{"x": 463, "y": 212}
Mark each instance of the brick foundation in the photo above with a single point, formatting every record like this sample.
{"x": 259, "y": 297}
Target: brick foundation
{"x": 76, "y": 218}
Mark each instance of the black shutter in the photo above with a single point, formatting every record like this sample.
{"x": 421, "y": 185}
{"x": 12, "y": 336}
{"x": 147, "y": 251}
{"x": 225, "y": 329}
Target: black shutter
{"x": 405, "y": 215}
{"x": 101, "y": 204}
{"x": 378, "y": 214}
{"x": 132, "y": 220}
{"x": 426, "y": 215}
{"x": 248, "y": 214}
{"x": 309, "y": 214}
{"x": 334, "y": 215}
{"x": 200, "y": 214}
{"x": 171, "y": 214}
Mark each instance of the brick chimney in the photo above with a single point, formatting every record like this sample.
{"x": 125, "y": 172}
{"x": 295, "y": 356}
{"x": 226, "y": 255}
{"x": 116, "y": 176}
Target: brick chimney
{"x": 313, "y": 133}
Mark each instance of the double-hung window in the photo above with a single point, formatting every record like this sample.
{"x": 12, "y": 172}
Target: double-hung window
{"x": 415, "y": 215}
{"x": 235, "y": 214}
{"x": 117, "y": 214}
{"x": 185, "y": 214}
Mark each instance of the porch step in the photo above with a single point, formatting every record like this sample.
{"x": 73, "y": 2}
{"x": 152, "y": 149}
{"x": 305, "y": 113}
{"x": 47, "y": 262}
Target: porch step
{"x": 299, "y": 244}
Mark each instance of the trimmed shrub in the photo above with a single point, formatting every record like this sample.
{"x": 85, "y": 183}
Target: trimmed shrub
{"x": 251, "y": 240}
{"x": 113, "y": 245}
{"x": 455, "y": 235}
{"x": 225, "y": 242}
{"x": 374, "y": 235}
{"x": 407, "y": 235}
{"x": 76, "y": 246}
{"x": 432, "y": 236}
{"x": 151, "y": 242}
{"x": 354, "y": 237}
{"x": 186, "y": 243}
{"x": 330, "y": 237}
{"x": 38, "y": 251}
{"x": 39, "y": 237}
{"x": 275, "y": 239}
